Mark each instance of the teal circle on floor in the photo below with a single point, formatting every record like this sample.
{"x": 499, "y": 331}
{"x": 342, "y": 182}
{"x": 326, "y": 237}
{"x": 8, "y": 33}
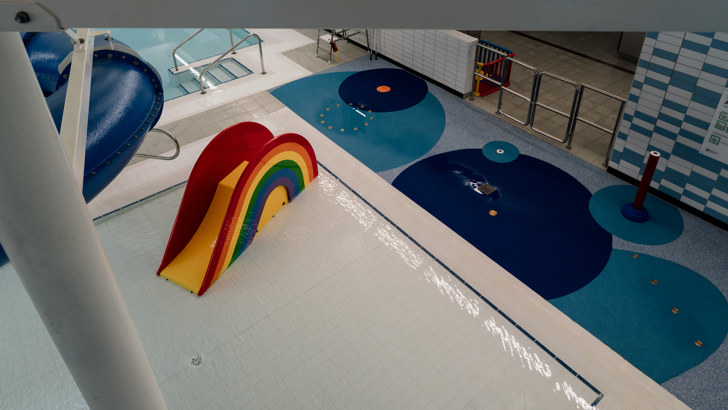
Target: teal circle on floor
{"x": 500, "y": 151}
{"x": 380, "y": 140}
{"x": 664, "y": 225}
{"x": 660, "y": 316}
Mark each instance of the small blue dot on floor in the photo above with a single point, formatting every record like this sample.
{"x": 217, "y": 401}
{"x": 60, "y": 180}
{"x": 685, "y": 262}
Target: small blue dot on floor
{"x": 500, "y": 151}
{"x": 664, "y": 225}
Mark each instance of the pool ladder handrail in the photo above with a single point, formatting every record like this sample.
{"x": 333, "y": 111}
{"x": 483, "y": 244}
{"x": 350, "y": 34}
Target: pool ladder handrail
{"x": 217, "y": 60}
{"x": 174, "y": 52}
{"x": 169, "y": 158}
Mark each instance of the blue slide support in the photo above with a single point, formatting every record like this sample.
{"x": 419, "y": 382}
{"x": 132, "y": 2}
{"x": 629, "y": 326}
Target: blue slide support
{"x": 125, "y": 102}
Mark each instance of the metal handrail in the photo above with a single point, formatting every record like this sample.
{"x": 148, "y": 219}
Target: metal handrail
{"x": 568, "y": 134}
{"x": 174, "y": 52}
{"x": 176, "y": 145}
{"x": 573, "y": 117}
{"x": 260, "y": 49}
{"x": 530, "y": 98}
{"x": 614, "y": 131}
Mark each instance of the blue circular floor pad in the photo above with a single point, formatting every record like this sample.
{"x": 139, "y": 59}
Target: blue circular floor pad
{"x": 380, "y": 140}
{"x": 665, "y": 224}
{"x": 500, "y": 151}
{"x": 383, "y": 90}
{"x": 537, "y": 225}
{"x": 634, "y": 316}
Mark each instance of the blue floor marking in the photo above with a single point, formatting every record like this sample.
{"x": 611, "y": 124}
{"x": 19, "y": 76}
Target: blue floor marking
{"x": 538, "y": 227}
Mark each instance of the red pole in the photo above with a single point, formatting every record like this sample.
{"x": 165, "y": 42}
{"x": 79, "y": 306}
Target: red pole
{"x": 639, "y": 199}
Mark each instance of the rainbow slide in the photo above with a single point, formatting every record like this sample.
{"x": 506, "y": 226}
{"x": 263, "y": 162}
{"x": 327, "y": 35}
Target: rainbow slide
{"x": 240, "y": 181}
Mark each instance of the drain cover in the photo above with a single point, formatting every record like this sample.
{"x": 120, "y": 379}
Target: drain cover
{"x": 487, "y": 189}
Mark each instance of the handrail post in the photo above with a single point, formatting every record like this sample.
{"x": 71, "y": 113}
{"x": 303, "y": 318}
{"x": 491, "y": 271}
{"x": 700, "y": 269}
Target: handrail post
{"x": 230, "y": 30}
{"x": 613, "y": 138}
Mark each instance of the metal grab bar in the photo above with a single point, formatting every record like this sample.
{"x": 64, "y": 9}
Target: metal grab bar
{"x": 176, "y": 145}
{"x": 569, "y": 133}
{"x": 614, "y": 131}
{"x": 217, "y": 60}
{"x": 529, "y": 99}
{"x": 174, "y": 52}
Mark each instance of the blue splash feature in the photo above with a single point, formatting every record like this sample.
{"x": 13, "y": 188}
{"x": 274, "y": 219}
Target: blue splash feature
{"x": 383, "y": 90}
{"x": 538, "y": 228}
{"x": 500, "y": 151}
{"x": 665, "y": 224}
{"x": 634, "y": 316}
{"x": 380, "y": 140}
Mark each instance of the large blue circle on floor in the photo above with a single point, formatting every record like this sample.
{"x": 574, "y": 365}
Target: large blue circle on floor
{"x": 537, "y": 225}
{"x": 664, "y": 225}
{"x": 383, "y": 90}
{"x": 634, "y": 316}
{"x": 380, "y": 140}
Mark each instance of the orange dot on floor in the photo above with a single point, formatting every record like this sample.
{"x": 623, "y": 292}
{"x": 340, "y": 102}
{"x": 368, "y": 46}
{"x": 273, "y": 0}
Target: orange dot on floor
{"x": 383, "y": 89}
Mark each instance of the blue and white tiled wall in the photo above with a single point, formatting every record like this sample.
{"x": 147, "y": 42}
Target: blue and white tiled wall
{"x": 679, "y": 80}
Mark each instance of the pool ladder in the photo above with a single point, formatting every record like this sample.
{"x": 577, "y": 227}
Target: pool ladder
{"x": 336, "y": 34}
{"x": 231, "y": 50}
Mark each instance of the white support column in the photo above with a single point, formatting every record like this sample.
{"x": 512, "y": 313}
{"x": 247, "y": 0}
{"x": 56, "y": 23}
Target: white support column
{"x": 75, "y": 112}
{"x": 52, "y": 242}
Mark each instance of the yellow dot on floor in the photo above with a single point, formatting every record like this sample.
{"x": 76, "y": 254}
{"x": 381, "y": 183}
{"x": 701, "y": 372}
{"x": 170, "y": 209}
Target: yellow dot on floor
{"x": 493, "y": 212}
{"x": 338, "y": 105}
{"x": 330, "y": 127}
{"x": 370, "y": 110}
{"x": 321, "y": 115}
{"x": 342, "y": 130}
{"x": 698, "y": 343}
{"x": 366, "y": 123}
{"x": 634, "y": 255}
{"x": 675, "y": 311}
{"x": 355, "y": 128}
{"x": 351, "y": 103}
{"x": 371, "y": 118}
{"x": 327, "y": 109}
{"x": 322, "y": 121}
{"x": 654, "y": 281}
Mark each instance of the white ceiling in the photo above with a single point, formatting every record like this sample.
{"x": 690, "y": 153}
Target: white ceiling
{"x": 555, "y": 15}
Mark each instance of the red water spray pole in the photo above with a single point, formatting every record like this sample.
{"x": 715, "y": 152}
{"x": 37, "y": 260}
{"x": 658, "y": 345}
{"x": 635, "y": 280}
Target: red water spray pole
{"x": 635, "y": 211}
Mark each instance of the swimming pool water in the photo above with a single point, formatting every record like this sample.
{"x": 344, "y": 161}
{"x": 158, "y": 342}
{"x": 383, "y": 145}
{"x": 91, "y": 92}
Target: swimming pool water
{"x": 156, "y": 46}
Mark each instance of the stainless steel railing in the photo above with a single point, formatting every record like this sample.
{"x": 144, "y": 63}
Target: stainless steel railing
{"x": 260, "y": 50}
{"x": 169, "y": 158}
{"x": 574, "y": 115}
{"x": 174, "y": 52}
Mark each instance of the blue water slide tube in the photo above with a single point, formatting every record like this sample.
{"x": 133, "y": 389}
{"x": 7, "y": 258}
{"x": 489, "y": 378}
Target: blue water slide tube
{"x": 126, "y": 101}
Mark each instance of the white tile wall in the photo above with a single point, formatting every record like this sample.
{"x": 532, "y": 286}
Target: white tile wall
{"x": 445, "y": 56}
